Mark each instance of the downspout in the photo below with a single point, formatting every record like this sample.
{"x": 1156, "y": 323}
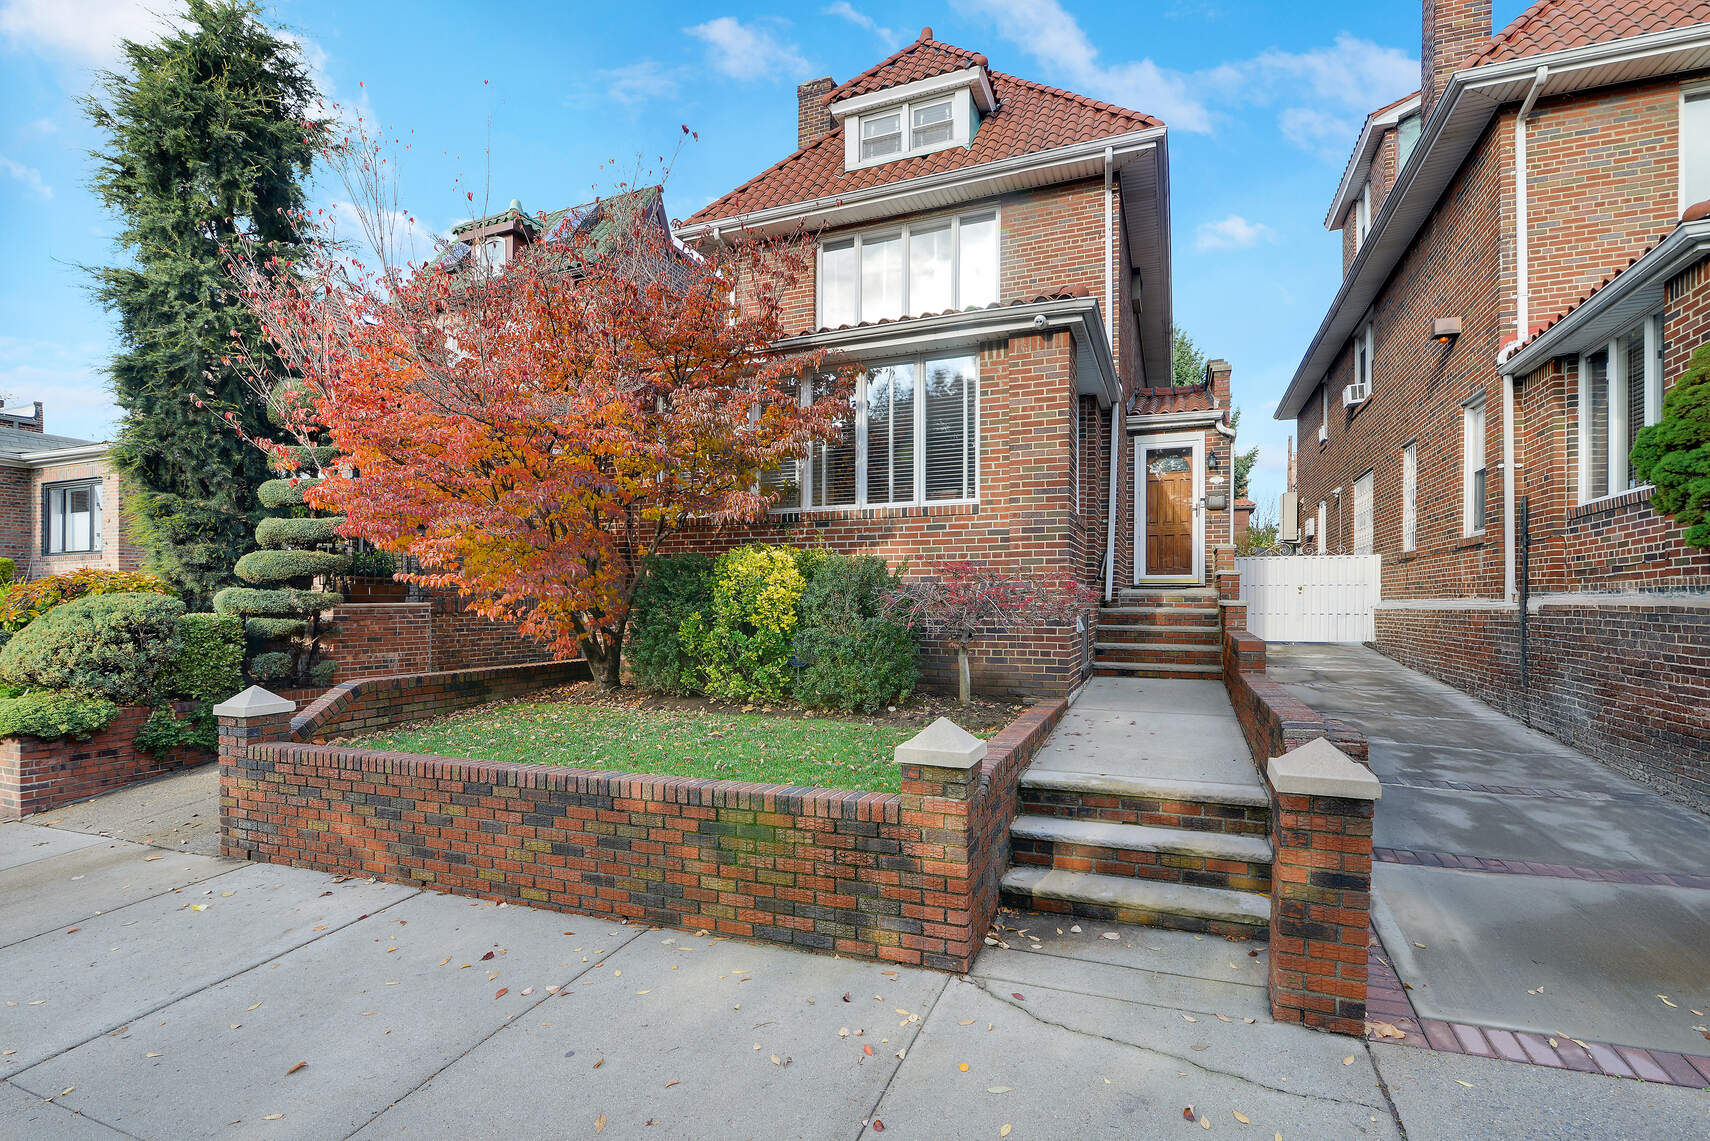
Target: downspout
{"x": 1228, "y": 433}
{"x": 1508, "y": 521}
{"x": 1522, "y": 325}
{"x": 1110, "y": 523}
{"x": 1115, "y": 405}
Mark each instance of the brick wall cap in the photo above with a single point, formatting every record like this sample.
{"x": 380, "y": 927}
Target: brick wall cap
{"x": 254, "y": 702}
{"x": 942, "y": 745}
{"x": 1319, "y": 768}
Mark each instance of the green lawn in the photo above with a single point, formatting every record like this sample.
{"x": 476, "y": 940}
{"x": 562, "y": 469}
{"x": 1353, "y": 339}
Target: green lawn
{"x": 692, "y": 743}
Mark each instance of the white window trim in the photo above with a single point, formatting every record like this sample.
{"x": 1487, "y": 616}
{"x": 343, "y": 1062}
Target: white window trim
{"x": 1686, "y": 92}
{"x": 1363, "y": 215}
{"x": 1143, "y": 447}
{"x": 1324, "y": 411}
{"x": 928, "y": 222}
{"x": 1410, "y": 496}
{"x": 1476, "y": 403}
{"x": 1367, "y": 375}
{"x": 1323, "y": 522}
{"x": 804, "y": 492}
{"x": 1621, "y": 428}
{"x": 64, "y": 487}
{"x": 963, "y": 123}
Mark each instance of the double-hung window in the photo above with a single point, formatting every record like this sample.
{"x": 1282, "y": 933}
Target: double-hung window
{"x": 1473, "y": 470}
{"x": 71, "y": 517}
{"x": 909, "y": 435}
{"x": 1410, "y": 497}
{"x": 1620, "y": 391}
{"x": 1694, "y": 147}
{"x": 922, "y": 267}
{"x": 881, "y": 135}
{"x": 1363, "y": 215}
{"x": 1363, "y": 515}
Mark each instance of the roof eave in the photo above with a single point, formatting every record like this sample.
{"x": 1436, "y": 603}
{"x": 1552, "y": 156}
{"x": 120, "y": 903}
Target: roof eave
{"x": 1365, "y": 147}
{"x": 48, "y": 456}
{"x": 1470, "y": 100}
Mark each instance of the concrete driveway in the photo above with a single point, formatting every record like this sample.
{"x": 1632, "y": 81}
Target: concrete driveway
{"x": 1589, "y": 914}
{"x": 155, "y": 993}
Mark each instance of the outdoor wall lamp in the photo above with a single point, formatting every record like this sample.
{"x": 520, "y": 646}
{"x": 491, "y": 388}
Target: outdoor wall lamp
{"x": 1211, "y": 461}
{"x": 1445, "y": 329}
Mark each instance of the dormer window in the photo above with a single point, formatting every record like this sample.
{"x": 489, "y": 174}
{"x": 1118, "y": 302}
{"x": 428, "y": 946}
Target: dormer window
{"x": 917, "y": 118}
{"x": 881, "y": 136}
{"x": 491, "y": 254}
{"x": 932, "y": 125}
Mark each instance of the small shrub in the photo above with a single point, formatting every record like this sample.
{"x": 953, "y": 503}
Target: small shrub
{"x": 741, "y": 643}
{"x": 24, "y": 602}
{"x": 8, "y": 571}
{"x": 322, "y": 672}
{"x": 209, "y": 667}
{"x": 1674, "y": 453}
{"x": 52, "y": 715}
{"x": 849, "y": 656}
{"x": 272, "y": 666}
{"x": 165, "y": 731}
{"x": 118, "y": 646}
{"x": 676, "y": 587}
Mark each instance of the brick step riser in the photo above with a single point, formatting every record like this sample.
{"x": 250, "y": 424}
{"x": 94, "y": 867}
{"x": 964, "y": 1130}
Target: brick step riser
{"x": 1163, "y": 867}
{"x": 1029, "y": 902}
{"x": 1161, "y": 672}
{"x": 1168, "y": 602}
{"x": 1174, "y": 635}
{"x": 1192, "y": 816}
{"x": 1184, "y": 656}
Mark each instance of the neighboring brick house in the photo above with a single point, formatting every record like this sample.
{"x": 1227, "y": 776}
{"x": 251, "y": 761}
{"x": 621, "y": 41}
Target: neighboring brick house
{"x": 997, "y": 255}
{"x": 59, "y": 501}
{"x": 1495, "y": 343}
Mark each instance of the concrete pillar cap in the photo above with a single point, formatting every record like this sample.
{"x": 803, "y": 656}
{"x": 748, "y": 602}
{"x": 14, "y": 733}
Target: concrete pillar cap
{"x": 942, "y": 745}
{"x": 254, "y": 702}
{"x": 1319, "y": 768}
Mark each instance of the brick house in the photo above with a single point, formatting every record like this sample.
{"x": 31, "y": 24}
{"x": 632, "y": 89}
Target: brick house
{"x": 1524, "y": 276}
{"x": 59, "y": 501}
{"x": 996, "y": 253}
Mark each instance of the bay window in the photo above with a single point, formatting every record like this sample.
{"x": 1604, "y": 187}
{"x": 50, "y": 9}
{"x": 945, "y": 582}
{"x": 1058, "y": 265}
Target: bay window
{"x": 923, "y": 267}
{"x": 910, "y": 436}
{"x": 71, "y": 518}
{"x": 1620, "y": 392}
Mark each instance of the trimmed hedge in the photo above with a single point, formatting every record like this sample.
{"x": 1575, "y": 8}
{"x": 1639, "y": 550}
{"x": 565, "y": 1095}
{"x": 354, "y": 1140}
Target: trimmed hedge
{"x": 51, "y": 715}
{"x": 278, "y": 566}
{"x": 249, "y": 602}
{"x": 276, "y": 493}
{"x": 676, "y": 587}
{"x": 273, "y": 629}
{"x": 209, "y": 666}
{"x": 275, "y": 532}
{"x": 742, "y": 641}
{"x": 118, "y": 646}
{"x": 24, "y": 602}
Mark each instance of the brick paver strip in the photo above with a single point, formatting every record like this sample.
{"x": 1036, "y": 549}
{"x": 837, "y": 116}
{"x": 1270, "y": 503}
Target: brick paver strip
{"x": 1552, "y": 871}
{"x": 1387, "y": 996}
{"x": 1538, "y": 792}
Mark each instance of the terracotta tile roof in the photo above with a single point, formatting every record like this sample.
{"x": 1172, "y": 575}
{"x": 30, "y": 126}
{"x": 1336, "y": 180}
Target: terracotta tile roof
{"x": 1058, "y": 295}
{"x": 1180, "y": 398}
{"x": 1028, "y": 117}
{"x": 1551, "y": 25}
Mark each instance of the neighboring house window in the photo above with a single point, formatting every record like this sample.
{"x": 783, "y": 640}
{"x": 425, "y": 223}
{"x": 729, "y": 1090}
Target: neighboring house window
{"x": 1323, "y": 527}
{"x": 1363, "y": 515}
{"x": 1406, "y": 137}
{"x": 1410, "y": 497}
{"x": 1620, "y": 391}
{"x": 1362, "y": 366}
{"x": 911, "y": 436}
{"x": 924, "y": 267}
{"x": 1694, "y": 147}
{"x": 72, "y": 517}
{"x": 491, "y": 253}
{"x": 1363, "y": 215}
{"x": 1472, "y": 467}
{"x": 1324, "y": 411}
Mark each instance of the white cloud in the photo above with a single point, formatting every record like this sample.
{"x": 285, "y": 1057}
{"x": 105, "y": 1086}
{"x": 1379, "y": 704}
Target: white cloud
{"x": 1232, "y": 233}
{"x": 636, "y": 83}
{"x": 69, "y": 379}
{"x": 748, "y": 52}
{"x": 1328, "y": 136}
{"x": 28, "y": 175}
{"x": 844, "y": 10}
{"x": 1351, "y": 74}
{"x": 85, "y": 31}
{"x": 1045, "y": 31}
{"x": 42, "y": 126}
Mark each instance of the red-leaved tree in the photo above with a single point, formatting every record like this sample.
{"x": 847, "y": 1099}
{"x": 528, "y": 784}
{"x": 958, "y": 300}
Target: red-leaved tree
{"x": 530, "y": 436}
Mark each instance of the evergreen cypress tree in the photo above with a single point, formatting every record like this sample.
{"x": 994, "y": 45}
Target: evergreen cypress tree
{"x": 208, "y": 138}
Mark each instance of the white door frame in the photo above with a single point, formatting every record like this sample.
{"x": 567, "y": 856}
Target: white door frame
{"x": 1169, "y": 442}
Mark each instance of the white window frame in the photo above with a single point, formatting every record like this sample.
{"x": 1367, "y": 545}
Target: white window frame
{"x": 1363, "y": 215}
{"x": 483, "y": 254}
{"x": 930, "y": 222}
{"x": 1324, "y": 411}
{"x": 1692, "y": 93}
{"x": 1364, "y": 493}
{"x": 1323, "y": 526}
{"x": 964, "y": 121}
{"x": 804, "y": 489}
{"x": 1410, "y": 496}
{"x": 54, "y": 496}
{"x": 1622, "y": 427}
{"x": 1473, "y": 462}
{"x": 1365, "y": 354}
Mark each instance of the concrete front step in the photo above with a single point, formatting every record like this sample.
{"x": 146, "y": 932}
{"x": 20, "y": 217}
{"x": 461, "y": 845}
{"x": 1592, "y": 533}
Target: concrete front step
{"x": 1143, "y": 838}
{"x": 1166, "y": 855}
{"x": 1174, "y": 635}
{"x": 1210, "y": 910}
{"x": 1199, "y": 806}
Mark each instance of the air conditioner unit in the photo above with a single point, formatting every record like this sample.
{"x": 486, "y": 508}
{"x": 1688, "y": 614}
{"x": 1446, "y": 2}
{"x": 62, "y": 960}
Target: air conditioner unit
{"x": 1323, "y": 431}
{"x": 1355, "y": 394}
{"x": 1311, "y": 527}
{"x": 1288, "y": 516}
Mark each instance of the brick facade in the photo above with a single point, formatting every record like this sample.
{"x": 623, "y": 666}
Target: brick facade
{"x": 428, "y": 636}
{"x": 36, "y": 774}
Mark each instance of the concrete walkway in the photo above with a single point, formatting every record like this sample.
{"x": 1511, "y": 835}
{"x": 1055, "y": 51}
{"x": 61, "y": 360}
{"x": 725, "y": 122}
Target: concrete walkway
{"x": 1589, "y": 914}
{"x": 153, "y": 993}
{"x": 1151, "y": 729}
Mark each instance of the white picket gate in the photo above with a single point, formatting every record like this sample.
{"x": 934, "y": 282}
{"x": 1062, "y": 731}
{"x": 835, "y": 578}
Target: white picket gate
{"x": 1311, "y": 598}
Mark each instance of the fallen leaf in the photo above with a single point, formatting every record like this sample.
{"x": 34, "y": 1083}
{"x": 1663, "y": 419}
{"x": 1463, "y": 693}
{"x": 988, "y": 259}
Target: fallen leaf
{"x": 1241, "y": 1117}
{"x": 649, "y": 990}
{"x": 1205, "y": 1123}
{"x": 526, "y": 991}
{"x": 248, "y": 1008}
{"x": 1201, "y": 1046}
{"x": 155, "y": 1054}
{"x": 65, "y": 1091}
{"x": 963, "y": 1066}
{"x": 1016, "y": 995}
{"x": 673, "y": 1082}
{"x": 1665, "y": 1000}
{"x": 1004, "y": 1132}
{"x": 966, "y": 1022}
{"x": 999, "y": 1089}
{"x": 777, "y": 1061}
{"x": 295, "y": 1068}
{"x": 845, "y": 998}
{"x": 599, "y": 1063}
{"x": 867, "y": 1049}
{"x": 152, "y": 859}
{"x": 1110, "y": 935}
{"x": 1188, "y": 1114}
{"x": 1348, "y": 1061}
{"x": 1459, "y": 1082}
{"x": 487, "y": 956}
{"x": 1384, "y": 1030}
{"x": 600, "y": 1123}
{"x": 445, "y": 960}
{"x": 1189, "y": 1018}
{"x": 503, "y": 991}
{"x": 70, "y": 930}
{"x": 272, "y": 1116}
{"x": 1224, "y": 1018}
{"x": 878, "y": 1126}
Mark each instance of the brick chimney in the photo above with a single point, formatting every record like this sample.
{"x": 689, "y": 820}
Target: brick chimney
{"x": 1217, "y": 374}
{"x": 1452, "y": 31}
{"x": 30, "y": 421}
{"x": 813, "y": 121}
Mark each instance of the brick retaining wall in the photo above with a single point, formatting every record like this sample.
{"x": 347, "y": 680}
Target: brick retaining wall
{"x": 367, "y": 704}
{"x": 38, "y": 774}
{"x": 1622, "y": 677}
{"x": 909, "y": 877}
{"x": 377, "y": 639}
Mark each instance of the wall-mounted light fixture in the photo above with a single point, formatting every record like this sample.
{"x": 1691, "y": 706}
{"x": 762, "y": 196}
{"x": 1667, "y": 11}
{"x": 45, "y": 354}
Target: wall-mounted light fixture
{"x": 1445, "y": 329}
{"x": 1211, "y": 461}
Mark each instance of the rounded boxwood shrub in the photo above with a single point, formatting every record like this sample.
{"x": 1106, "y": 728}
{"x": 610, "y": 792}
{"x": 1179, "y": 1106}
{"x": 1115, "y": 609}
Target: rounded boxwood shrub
{"x": 273, "y": 629}
{"x": 278, "y": 566}
{"x": 248, "y": 602}
{"x": 741, "y": 642}
{"x": 209, "y": 667}
{"x": 284, "y": 492}
{"x": 118, "y": 646}
{"x": 848, "y": 655}
{"x": 278, "y": 531}
{"x": 676, "y": 587}
{"x": 271, "y": 666}
{"x": 47, "y": 714}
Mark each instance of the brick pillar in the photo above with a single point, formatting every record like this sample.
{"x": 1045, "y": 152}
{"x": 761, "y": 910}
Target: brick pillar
{"x": 253, "y": 716}
{"x": 1321, "y": 830}
{"x": 940, "y": 773}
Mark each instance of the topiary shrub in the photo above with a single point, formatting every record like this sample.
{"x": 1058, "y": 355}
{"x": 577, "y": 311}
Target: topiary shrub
{"x": 277, "y": 493}
{"x": 1673, "y": 455}
{"x": 117, "y": 646}
{"x": 741, "y": 642}
{"x": 243, "y": 600}
{"x": 52, "y": 715}
{"x": 849, "y": 656}
{"x": 282, "y": 566}
{"x": 676, "y": 587}
{"x": 271, "y": 666}
{"x": 209, "y": 666}
{"x": 275, "y": 532}
{"x": 24, "y": 602}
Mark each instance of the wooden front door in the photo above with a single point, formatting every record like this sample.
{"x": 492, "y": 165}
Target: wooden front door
{"x": 1169, "y": 512}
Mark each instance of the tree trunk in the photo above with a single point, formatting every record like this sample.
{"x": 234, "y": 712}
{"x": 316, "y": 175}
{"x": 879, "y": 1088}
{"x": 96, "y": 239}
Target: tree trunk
{"x": 605, "y": 662}
{"x": 963, "y": 681}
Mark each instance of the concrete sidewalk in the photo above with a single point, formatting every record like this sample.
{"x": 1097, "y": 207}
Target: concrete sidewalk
{"x": 158, "y": 994}
{"x": 1590, "y": 915}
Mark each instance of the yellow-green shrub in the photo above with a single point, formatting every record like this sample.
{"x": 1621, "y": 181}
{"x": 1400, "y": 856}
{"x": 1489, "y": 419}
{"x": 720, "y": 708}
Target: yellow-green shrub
{"x": 742, "y": 642}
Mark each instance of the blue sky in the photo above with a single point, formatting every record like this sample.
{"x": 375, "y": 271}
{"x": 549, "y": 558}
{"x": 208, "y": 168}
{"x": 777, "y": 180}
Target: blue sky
{"x": 549, "y": 103}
